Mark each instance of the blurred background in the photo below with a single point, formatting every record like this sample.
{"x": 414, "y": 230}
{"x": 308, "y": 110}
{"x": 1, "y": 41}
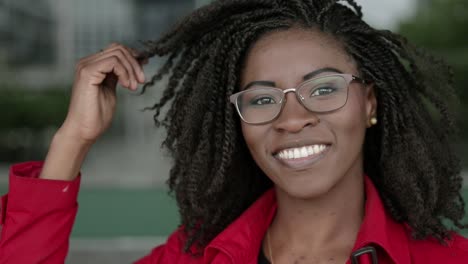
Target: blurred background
{"x": 124, "y": 206}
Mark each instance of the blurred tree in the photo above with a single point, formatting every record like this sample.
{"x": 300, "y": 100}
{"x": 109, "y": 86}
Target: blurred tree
{"x": 28, "y": 120}
{"x": 441, "y": 26}
{"x": 34, "y": 109}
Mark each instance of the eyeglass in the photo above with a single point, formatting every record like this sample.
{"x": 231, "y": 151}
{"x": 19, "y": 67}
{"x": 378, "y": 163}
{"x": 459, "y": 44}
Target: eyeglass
{"x": 261, "y": 104}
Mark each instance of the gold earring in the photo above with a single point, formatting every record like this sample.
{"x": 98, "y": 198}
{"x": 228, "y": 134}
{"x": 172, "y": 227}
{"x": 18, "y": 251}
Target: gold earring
{"x": 373, "y": 121}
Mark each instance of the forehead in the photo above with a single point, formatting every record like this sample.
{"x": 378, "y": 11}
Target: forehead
{"x": 286, "y": 56}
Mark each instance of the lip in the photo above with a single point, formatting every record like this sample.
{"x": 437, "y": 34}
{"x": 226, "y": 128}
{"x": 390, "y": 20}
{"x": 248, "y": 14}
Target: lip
{"x": 302, "y": 163}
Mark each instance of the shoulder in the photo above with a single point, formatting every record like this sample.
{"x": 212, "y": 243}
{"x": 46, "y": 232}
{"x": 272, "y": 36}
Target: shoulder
{"x": 431, "y": 251}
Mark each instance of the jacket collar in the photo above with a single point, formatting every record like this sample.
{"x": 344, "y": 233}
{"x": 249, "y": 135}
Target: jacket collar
{"x": 379, "y": 228}
{"x": 241, "y": 240}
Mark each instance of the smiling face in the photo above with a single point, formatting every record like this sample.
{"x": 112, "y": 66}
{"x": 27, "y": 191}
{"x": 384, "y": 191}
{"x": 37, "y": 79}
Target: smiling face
{"x": 306, "y": 154}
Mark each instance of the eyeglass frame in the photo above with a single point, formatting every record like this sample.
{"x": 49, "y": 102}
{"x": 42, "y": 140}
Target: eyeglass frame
{"x": 349, "y": 78}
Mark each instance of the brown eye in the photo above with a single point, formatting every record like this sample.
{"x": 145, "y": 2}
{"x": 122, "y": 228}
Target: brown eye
{"x": 262, "y": 100}
{"x": 323, "y": 91}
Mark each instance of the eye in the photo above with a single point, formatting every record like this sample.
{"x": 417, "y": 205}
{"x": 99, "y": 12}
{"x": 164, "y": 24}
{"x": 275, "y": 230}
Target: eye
{"x": 323, "y": 91}
{"x": 262, "y": 100}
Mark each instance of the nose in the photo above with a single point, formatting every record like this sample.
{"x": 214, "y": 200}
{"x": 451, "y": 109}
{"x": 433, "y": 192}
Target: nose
{"x": 294, "y": 116}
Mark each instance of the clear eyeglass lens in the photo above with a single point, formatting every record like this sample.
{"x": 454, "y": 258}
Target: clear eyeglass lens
{"x": 323, "y": 94}
{"x": 260, "y": 105}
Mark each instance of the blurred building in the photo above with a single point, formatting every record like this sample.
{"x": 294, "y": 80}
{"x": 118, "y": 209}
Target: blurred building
{"x": 40, "y": 43}
{"x": 42, "y": 40}
{"x": 21, "y": 24}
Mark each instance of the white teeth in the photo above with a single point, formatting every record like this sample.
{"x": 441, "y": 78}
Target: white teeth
{"x": 302, "y": 152}
{"x": 310, "y": 150}
{"x": 297, "y": 153}
{"x": 316, "y": 149}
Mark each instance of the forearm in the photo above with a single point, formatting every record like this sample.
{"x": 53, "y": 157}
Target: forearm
{"x": 65, "y": 157}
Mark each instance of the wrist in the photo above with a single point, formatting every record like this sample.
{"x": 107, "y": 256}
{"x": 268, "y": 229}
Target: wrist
{"x": 69, "y": 133}
{"x": 65, "y": 157}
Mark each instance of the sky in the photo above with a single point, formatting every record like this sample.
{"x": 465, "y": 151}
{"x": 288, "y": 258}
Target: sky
{"x": 385, "y": 14}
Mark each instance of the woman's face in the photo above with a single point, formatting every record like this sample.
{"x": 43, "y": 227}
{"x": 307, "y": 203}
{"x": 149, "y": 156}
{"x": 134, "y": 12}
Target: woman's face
{"x": 284, "y": 58}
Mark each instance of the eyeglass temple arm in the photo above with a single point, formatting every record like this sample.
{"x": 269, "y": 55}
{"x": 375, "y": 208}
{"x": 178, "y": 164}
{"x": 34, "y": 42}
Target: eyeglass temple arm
{"x": 360, "y": 80}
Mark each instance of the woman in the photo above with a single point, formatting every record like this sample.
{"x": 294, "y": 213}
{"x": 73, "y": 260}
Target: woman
{"x": 299, "y": 135}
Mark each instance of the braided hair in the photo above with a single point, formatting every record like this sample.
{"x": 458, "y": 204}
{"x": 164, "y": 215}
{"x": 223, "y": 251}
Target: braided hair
{"x": 407, "y": 154}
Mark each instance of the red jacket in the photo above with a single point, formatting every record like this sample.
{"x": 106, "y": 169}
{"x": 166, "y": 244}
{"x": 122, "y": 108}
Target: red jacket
{"x": 38, "y": 215}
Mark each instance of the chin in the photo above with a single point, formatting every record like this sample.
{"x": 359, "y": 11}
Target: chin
{"x": 309, "y": 190}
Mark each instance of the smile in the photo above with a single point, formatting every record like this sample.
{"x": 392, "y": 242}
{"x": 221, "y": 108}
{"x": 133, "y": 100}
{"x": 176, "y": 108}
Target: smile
{"x": 302, "y": 156}
{"x": 302, "y": 152}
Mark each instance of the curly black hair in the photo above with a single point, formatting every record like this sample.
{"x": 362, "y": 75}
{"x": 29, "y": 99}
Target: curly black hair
{"x": 407, "y": 155}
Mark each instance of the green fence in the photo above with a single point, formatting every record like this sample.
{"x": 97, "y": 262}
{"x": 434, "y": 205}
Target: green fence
{"x": 108, "y": 213}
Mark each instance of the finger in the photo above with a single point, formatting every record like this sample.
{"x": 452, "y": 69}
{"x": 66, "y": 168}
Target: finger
{"x": 101, "y": 68}
{"x": 130, "y": 54}
{"x": 120, "y": 71}
{"x": 96, "y": 55}
{"x": 137, "y": 69}
{"x": 123, "y": 59}
{"x": 141, "y": 57}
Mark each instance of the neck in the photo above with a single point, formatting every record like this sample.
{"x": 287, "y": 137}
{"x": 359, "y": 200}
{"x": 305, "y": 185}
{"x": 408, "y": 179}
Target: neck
{"x": 328, "y": 222}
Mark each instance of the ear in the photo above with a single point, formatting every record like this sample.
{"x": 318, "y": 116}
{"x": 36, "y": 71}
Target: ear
{"x": 371, "y": 103}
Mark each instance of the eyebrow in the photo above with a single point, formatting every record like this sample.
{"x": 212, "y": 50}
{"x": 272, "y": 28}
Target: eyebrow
{"x": 308, "y": 76}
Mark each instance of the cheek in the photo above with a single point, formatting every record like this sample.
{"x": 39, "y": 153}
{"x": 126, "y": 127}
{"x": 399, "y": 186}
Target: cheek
{"x": 350, "y": 122}
{"x": 250, "y": 135}
{"x": 255, "y": 138}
